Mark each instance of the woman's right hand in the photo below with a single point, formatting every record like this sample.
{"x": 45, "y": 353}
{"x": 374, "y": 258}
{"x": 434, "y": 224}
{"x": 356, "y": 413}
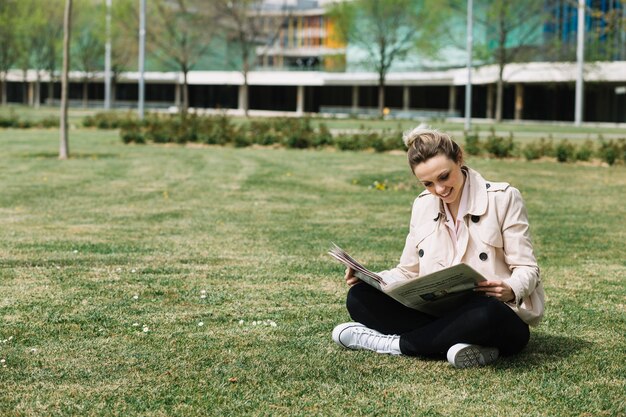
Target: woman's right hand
{"x": 350, "y": 278}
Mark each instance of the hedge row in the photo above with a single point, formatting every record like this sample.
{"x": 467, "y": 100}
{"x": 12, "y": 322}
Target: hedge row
{"x": 220, "y": 130}
{"x": 564, "y": 151}
{"x": 13, "y": 121}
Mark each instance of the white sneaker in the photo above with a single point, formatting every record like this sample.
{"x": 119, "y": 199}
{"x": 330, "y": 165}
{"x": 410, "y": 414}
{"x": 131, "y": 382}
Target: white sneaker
{"x": 356, "y": 336}
{"x": 464, "y": 355}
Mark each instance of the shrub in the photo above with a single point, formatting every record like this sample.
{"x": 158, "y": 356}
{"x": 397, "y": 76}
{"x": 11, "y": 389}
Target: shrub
{"x": 385, "y": 141}
{"x": 322, "y": 137}
{"x": 585, "y": 151}
{"x": 346, "y": 142}
{"x": 10, "y": 121}
{"x": 472, "y": 145}
{"x": 217, "y": 131}
{"x": 132, "y": 135}
{"x": 49, "y": 122}
{"x": 609, "y": 151}
{"x": 263, "y": 133}
{"x": 499, "y": 146}
{"x": 546, "y": 147}
{"x": 532, "y": 151}
{"x": 565, "y": 151}
{"x": 297, "y": 132}
{"x": 242, "y": 139}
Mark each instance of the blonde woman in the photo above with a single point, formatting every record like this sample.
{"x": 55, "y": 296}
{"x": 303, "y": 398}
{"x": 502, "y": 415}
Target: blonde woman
{"x": 460, "y": 217}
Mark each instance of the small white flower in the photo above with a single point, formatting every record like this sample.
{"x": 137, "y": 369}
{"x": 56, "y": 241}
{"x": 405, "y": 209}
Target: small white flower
{"x": 135, "y": 324}
{"x": 10, "y": 338}
{"x": 33, "y": 350}
{"x": 254, "y": 323}
{"x": 135, "y": 297}
{"x": 133, "y": 270}
{"x": 240, "y": 321}
{"x": 203, "y": 292}
{"x": 272, "y": 324}
{"x": 200, "y": 324}
{"x": 145, "y": 329}
{"x": 75, "y": 251}
{"x": 203, "y": 296}
{"x": 2, "y": 360}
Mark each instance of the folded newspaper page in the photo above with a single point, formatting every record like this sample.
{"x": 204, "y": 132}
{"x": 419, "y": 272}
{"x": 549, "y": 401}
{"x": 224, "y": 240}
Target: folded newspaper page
{"x": 434, "y": 293}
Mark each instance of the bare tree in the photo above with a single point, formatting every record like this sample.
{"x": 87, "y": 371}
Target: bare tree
{"x": 387, "y": 31}
{"x": 179, "y": 36}
{"x": 513, "y": 34}
{"x": 64, "y": 149}
{"x": 242, "y": 21}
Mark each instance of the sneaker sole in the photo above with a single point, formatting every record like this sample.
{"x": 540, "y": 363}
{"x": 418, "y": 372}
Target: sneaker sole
{"x": 474, "y": 355}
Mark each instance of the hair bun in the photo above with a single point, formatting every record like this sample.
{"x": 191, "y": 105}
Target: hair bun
{"x": 410, "y": 136}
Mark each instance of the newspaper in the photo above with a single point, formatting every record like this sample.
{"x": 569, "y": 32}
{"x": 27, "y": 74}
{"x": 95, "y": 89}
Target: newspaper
{"x": 434, "y": 293}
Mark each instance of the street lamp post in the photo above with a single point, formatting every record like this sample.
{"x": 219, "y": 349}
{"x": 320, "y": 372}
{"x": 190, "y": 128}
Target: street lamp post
{"x": 142, "y": 46}
{"x": 580, "y": 59}
{"x": 107, "y": 59}
{"x": 468, "y": 86}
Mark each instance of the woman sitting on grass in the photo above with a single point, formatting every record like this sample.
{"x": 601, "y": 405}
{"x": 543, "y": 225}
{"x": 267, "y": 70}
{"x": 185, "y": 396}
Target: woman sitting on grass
{"x": 460, "y": 217}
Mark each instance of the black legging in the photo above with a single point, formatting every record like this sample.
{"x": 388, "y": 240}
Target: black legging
{"x": 482, "y": 321}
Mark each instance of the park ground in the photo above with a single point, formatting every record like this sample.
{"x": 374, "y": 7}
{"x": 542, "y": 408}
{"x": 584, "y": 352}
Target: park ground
{"x": 194, "y": 280}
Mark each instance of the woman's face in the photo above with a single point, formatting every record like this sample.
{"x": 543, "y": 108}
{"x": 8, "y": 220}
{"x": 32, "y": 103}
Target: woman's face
{"x": 442, "y": 177}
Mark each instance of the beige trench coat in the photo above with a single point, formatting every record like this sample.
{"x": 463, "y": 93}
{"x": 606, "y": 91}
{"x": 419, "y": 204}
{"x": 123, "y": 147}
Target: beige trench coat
{"x": 498, "y": 247}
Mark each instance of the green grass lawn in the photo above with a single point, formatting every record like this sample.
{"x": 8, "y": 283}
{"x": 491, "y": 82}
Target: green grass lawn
{"x": 172, "y": 280}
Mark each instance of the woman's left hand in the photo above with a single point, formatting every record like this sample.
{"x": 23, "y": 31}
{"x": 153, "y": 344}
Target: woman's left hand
{"x": 497, "y": 289}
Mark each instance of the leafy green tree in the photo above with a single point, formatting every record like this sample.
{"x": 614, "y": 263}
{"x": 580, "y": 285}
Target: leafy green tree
{"x": 124, "y": 40}
{"x": 88, "y": 41}
{"x": 41, "y": 29}
{"x": 9, "y": 43}
{"x": 606, "y": 39}
{"x": 388, "y": 30}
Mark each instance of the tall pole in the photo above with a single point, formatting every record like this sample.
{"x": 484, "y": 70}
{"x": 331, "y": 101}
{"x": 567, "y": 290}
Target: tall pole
{"x": 64, "y": 147}
{"x": 468, "y": 86}
{"x": 107, "y": 60}
{"x": 580, "y": 59}
{"x": 142, "y": 46}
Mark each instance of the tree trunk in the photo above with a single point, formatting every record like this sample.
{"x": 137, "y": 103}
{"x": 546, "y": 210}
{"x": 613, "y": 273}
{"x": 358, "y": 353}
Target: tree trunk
{"x": 3, "y": 92}
{"x": 24, "y": 88}
{"x": 64, "y": 148}
{"x": 113, "y": 91}
{"x": 246, "y": 68}
{"x": 185, "y": 93}
{"x": 499, "y": 94}
{"x": 381, "y": 95}
{"x": 38, "y": 90}
{"x": 50, "y": 98}
{"x": 85, "y": 93}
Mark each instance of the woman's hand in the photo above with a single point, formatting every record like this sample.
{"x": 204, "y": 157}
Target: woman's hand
{"x": 497, "y": 289}
{"x": 350, "y": 278}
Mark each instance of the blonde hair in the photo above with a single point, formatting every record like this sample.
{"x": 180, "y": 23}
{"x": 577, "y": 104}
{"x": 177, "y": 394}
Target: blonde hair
{"x": 424, "y": 143}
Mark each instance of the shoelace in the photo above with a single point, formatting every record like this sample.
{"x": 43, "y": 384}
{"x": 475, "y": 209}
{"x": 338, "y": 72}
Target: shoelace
{"x": 367, "y": 339}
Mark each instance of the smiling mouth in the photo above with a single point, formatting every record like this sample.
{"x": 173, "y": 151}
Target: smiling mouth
{"x": 446, "y": 194}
